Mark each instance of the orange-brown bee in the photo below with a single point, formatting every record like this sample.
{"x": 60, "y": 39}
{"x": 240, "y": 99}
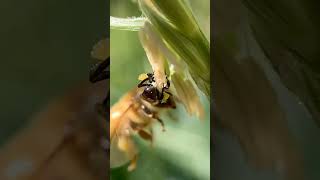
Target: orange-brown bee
{"x": 134, "y": 113}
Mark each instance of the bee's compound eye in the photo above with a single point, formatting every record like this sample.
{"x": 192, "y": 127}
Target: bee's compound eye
{"x": 150, "y": 94}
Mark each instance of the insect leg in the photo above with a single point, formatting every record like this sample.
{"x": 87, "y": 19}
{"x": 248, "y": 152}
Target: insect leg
{"x": 150, "y": 78}
{"x": 126, "y": 145}
{"x": 167, "y": 86}
{"x": 133, "y": 163}
{"x": 106, "y": 100}
{"x": 169, "y": 93}
{"x": 98, "y": 72}
{"x": 145, "y": 135}
{"x": 106, "y": 103}
{"x": 160, "y": 121}
{"x": 161, "y": 94}
{"x": 99, "y": 77}
{"x": 141, "y": 84}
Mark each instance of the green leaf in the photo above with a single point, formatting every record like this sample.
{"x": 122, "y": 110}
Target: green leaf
{"x": 176, "y": 25}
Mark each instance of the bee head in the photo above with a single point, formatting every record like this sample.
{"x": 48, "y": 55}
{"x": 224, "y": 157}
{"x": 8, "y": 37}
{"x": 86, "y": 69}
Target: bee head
{"x": 150, "y": 94}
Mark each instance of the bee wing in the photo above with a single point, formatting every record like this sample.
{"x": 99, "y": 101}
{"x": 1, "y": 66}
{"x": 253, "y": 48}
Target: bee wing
{"x": 118, "y": 122}
{"x": 101, "y": 51}
{"x": 121, "y": 157}
{"x": 118, "y": 112}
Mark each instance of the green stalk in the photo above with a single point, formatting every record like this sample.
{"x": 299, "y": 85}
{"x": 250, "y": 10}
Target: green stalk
{"x": 128, "y": 24}
{"x": 179, "y": 30}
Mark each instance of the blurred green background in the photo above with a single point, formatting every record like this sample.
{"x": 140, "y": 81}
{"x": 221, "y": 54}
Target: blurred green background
{"x": 45, "y": 49}
{"x": 183, "y": 151}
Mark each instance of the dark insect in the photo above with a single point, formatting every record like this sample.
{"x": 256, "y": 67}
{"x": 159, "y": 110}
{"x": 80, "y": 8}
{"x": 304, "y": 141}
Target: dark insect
{"x": 152, "y": 94}
{"x": 99, "y": 72}
{"x": 135, "y": 112}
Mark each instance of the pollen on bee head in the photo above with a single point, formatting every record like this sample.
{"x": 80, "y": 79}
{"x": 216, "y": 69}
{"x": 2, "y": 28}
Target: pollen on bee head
{"x": 165, "y": 97}
{"x": 143, "y": 76}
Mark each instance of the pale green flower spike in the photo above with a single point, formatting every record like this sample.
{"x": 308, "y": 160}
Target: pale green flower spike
{"x": 172, "y": 38}
{"x": 175, "y": 24}
{"x": 188, "y": 95}
{"x": 157, "y": 54}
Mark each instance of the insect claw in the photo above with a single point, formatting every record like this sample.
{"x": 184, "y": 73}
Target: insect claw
{"x": 161, "y": 123}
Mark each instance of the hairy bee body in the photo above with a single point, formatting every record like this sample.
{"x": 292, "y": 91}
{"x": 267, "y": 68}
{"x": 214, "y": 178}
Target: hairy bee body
{"x": 132, "y": 114}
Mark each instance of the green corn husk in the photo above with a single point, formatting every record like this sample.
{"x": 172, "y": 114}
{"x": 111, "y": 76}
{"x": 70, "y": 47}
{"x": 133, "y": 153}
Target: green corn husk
{"x": 175, "y": 46}
{"x": 157, "y": 53}
{"x": 179, "y": 30}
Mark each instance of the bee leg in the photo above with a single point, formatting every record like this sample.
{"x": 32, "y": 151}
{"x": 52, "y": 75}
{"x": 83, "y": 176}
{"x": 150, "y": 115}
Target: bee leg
{"x": 106, "y": 101}
{"x": 133, "y": 163}
{"x": 150, "y": 78}
{"x": 99, "y": 77}
{"x": 160, "y": 121}
{"x": 127, "y": 146}
{"x": 99, "y": 71}
{"x": 160, "y": 94}
{"x": 142, "y": 133}
{"x": 167, "y": 86}
{"x": 169, "y": 93}
{"x": 146, "y": 136}
{"x": 141, "y": 84}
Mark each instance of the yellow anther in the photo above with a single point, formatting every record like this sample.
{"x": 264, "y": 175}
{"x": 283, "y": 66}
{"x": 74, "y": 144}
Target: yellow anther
{"x": 165, "y": 97}
{"x": 143, "y": 76}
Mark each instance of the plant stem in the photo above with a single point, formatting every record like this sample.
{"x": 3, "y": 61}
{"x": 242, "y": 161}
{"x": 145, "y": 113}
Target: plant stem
{"x": 128, "y": 24}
